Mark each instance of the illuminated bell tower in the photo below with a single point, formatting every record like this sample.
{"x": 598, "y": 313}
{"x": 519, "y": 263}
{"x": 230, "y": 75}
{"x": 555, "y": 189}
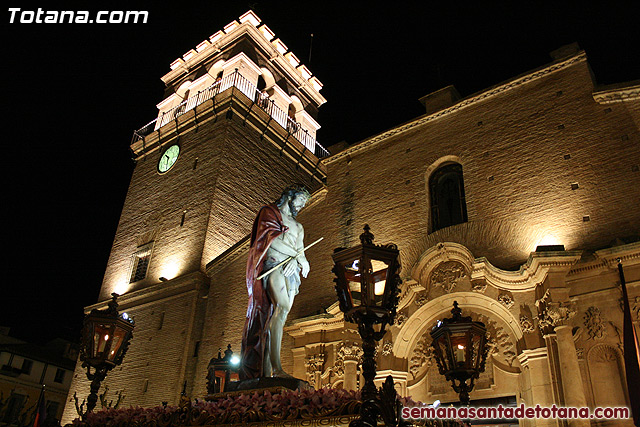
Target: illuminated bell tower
{"x": 236, "y": 126}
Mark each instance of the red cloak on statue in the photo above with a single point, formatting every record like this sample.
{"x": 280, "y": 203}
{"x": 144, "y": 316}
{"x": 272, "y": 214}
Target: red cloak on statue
{"x": 266, "y": 227}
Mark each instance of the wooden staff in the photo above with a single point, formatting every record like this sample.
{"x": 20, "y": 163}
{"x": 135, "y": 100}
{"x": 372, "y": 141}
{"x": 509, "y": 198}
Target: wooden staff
{"x": 271, "y": 270}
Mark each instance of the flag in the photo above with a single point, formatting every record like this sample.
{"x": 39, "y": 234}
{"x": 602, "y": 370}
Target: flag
{"x": 41, "y": 413}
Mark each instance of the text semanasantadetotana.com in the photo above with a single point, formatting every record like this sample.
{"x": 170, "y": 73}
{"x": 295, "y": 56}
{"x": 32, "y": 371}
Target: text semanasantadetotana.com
{"x": 510, "y": 412}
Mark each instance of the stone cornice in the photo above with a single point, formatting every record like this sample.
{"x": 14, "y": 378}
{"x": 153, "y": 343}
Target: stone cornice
{"x": 497, "y": 90}
{"x": 531, "y": 355}
{"x": 607, "y": 259}
{"x": 178, "y": 286}
{"x": 317, "y": 323}
{"x": 529, "y": 275}
{"x": 630, "y": 92}
{"x": 408, "y": 289}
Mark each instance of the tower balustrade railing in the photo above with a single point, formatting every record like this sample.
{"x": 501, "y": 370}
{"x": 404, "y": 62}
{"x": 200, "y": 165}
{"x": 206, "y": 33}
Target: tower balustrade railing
{"x": 259, "y": 98}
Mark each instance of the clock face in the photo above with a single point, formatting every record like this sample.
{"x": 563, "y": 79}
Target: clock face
{"x": 168, "y": 158}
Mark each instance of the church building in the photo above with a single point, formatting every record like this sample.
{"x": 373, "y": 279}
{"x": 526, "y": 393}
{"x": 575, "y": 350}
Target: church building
{"x": 517, "y": 202}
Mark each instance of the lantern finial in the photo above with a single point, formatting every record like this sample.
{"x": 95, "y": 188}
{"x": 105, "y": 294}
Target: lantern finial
{"x": 113, "y": 304}
{"x": 456, "y": 311}
{"x": 366, "y": 238}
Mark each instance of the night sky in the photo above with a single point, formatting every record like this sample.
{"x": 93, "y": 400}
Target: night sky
{"x": 73, "y": 94}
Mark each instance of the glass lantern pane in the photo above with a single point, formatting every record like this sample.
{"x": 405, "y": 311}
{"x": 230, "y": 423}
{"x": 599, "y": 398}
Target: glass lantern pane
{"x": 354, "y": 286}
{"x": 459, "y": 347}
{"x": 475, "y": 351}
{"x": 379, "y": 276}
{"x": 445, "y": 353}
{"x": 100, "y": 339}
{"x": 118, "y": 338}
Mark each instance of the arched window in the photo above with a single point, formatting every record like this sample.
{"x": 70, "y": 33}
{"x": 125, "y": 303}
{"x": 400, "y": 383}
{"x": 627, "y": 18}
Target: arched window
{"x": 448, "y": 205}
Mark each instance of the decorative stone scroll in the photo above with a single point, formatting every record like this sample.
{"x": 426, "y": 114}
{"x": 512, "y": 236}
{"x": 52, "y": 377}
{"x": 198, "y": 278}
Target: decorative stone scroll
{"x": 594, "y": 323}
{"x": 447, "y": 275}
{"x": 387, "y": 348}
{"x": 479, "y": 286}
{"x": 526, "y": 324}
{"x": 421, "y": 300}
{"x": 506, "y": 300}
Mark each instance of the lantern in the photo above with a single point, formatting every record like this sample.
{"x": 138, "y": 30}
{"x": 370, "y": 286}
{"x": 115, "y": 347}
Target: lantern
{"x": 367, "y": 284}
{"x": 367, "y": 280}
{"x": 105, "y": 340}
{"x": 460, "y": 350}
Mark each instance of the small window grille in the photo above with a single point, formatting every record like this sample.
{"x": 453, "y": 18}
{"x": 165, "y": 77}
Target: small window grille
{"x": 141, "y": 262}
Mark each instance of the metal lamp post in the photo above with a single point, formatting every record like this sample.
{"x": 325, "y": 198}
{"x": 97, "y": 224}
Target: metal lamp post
{"x": 460, "y": 350}
{"x": 367, "y": 284}
{"x": 105, "y": 340}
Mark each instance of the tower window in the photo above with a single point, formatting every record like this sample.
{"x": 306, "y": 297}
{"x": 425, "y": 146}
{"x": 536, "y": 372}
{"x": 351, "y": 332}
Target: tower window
{"x": 448, "y": 205}
{"x": 141, "y": 262}
{"x": 26, "y": 366}
{"x": 59, "y": 378}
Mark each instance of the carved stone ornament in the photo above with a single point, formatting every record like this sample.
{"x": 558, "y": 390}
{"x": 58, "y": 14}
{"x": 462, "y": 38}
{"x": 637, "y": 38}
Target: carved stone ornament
{"x": 552, "y": 314}
{"x": 387, "y": 348}
{"x": 314, "y": 364}
{"x": 499, "y": 342}
{"x": 580, "y": 352}
{"x": 636, "y": 307}
{"x": 346, "y": 351}
{"x": 401, "y": 318}
{"x": 594, "y": 323}
{"x": 526, "y": 324}
{"x": 506, "y": 300}
{"x": 447, "y": 275}
{"x": 479, "y": 286}
{"x": 603, "y": 354}
{"x": 422, "y": 355}
{"x": 421, "y": 300}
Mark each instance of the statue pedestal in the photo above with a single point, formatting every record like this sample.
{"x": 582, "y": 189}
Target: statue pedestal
{"x": 273, "y": 384}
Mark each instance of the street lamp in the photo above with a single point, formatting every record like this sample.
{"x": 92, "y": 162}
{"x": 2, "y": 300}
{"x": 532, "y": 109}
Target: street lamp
{"x": 460, "y": 350}
{"x": 105, "y": 340}
{"x": 367, "y": 284}
{"x": 222, "y": 371}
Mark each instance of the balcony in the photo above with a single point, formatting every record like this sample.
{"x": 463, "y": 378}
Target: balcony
{"x": 256, "y": 98}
